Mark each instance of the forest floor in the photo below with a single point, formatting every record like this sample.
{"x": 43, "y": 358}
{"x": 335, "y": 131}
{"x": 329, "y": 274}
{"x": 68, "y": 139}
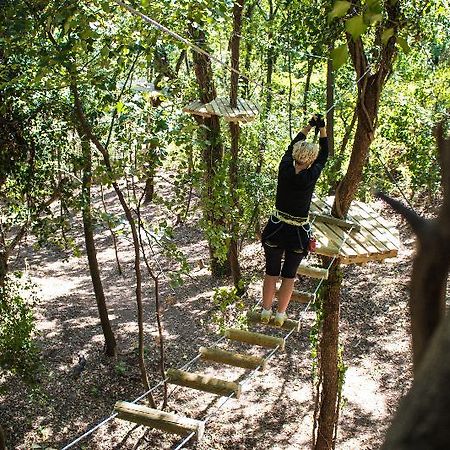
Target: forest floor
{"x": 276, "y": 406}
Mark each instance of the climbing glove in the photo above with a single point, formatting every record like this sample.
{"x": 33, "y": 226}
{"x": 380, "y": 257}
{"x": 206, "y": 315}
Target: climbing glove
{"x": 312, "y": 122}
{"x": 320, "y": 122}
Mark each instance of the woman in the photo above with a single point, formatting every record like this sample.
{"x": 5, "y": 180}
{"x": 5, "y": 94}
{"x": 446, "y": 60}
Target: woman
{"x": 288, "y": 231}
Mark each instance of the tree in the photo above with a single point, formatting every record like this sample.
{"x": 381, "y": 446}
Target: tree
{"x": 422, "y": 419}
{"x": 88, "y": 227}
{"x": 371, "y": 81}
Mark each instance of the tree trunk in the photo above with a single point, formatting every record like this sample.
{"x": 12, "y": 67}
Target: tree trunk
{"x": 233, "y": 253}
{"x": 3, "y": 268}
{"x": 369, "y": 93}
{"x": 110, "y": 341}
{"x": 149, "y": 189}
{"x": 213, "y": 148}
{"x": 87, "y": 130}
{"x": 309, "y": 71}
{"x": 422, "y": 420}
{"x": 2, "y": 439}
{"x": 328, "y": 360}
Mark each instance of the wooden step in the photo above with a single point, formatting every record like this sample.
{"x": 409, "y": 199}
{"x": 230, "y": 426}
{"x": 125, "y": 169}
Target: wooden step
{"x": 300, "y": 296}
{"x": 203, "y": 383}
{"x": 161, "y": 420}
{"x": 312, "y": 272}
{"x": 289, "y": 324}
{"x": 250, "y": 337}
{"x": 232, "y": 359}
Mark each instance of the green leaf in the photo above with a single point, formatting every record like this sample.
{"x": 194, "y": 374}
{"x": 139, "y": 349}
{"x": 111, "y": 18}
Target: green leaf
{"x": 374, "y": 6}
{"x": 373, "y": 17}
{"x": 355, "y": 26}
{"x": 339, "y": 55}
{"x": 386, "y": 35}
{"x": 403, "y": 44}
{"x": 120, "y": 106}
{"x": 340, "y": 9}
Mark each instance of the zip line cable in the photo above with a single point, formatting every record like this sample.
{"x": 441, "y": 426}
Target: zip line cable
{"x": 202, "y": 51}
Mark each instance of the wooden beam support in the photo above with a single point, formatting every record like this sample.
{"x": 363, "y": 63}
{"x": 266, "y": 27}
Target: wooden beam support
{"x": 289, "y": 324}
{"x": 232, "y": 359}
{"x": 250, "y": 337}
{"x": 161, "y": 420}
{"x": 300, "y": 296}
{"x": 203, "y": 383}
{"x": 325, "y": 218}
{"x": 312, "y": 272}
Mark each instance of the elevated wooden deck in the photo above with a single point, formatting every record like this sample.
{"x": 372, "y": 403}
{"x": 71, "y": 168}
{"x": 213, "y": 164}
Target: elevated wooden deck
{"x": 246, "y": 111}
{"x": 373, "y": 238}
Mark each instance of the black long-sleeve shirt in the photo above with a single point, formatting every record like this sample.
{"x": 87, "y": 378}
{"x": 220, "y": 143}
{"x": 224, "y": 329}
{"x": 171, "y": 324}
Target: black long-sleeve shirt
{"x": 294, "y": 191}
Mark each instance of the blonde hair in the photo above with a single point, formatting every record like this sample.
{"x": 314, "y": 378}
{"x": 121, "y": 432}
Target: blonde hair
{"x": 305, "y": 153}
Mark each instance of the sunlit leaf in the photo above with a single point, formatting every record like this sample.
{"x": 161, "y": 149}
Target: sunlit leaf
{"x": 403, "y": 44}
{"x": 355, "y": 26}
{"x": 373, "y": 17}
{"x": 339, "y": 55}
{"x": 340, "y": 9}
{"x": 386, "y": 35}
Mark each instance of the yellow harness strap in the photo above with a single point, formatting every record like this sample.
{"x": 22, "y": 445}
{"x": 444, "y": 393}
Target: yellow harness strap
{"x": 290, "y": 220}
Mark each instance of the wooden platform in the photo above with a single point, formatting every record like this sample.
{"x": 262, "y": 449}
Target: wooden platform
{"x": 246, "y": 111}
{"x": 374, "y": 239}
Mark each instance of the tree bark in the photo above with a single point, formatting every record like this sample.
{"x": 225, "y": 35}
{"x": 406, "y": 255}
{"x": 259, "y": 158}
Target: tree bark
{"x": 2, "y": 439}
{"x": 369, "y": 92}
{"x": 309, "y": 71}
{"x": 213, "y": 147}
{"x": 233, "y": 253}
{"x": 328, "y": 359}
{"x": 330, "y": 104}
{"x": 110, "y": 341}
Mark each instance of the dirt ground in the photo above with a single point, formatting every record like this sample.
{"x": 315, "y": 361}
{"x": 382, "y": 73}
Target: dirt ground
{"x": 276, "y": 405}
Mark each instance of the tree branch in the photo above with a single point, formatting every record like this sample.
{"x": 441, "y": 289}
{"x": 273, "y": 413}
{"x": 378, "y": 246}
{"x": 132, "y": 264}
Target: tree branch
{"x": 417, "y": 223}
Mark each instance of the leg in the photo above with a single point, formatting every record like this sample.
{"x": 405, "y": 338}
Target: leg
{"x": 291, "y": 262}
{"x": 269, "y": 288}
{"x": 273, "y": 266}
{"x": 284, "y": 295}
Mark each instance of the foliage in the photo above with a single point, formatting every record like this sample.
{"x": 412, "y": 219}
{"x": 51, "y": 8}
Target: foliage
{"x": 230, "y": 308}
{"x": 18, "y": 351}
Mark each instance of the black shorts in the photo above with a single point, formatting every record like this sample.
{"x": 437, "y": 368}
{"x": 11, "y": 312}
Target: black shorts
{"x": 280, "y": 239}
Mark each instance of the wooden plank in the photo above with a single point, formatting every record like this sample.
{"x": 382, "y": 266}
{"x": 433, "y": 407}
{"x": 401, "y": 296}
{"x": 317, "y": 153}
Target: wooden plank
{"x": 384, "y": 227}
{"x": 242, "y": 113}
{"x": 250, "y": 337}
{"x": 322, "y": 206}
{"x": 312, "y": 272}
{"x": 197, "y": 108}
{"x": 300, "y": 296}
{"x": 377, "y": 249}
{"x": 161, "y": 420}
{"x": 336, "y": 236}
{"x": 232, "y": 359}
{"x": 326, "y": 218}
{"x": 350, "y": 243}
{"x": 326, "y": 250}
{"x": 203, "y": 383}
{"x": 289, "y": 324}
{"x": 371, "y": 225}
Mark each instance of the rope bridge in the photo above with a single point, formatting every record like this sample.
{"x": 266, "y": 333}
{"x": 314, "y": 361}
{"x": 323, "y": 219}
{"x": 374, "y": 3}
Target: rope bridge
{"x": 364, "y": 237}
